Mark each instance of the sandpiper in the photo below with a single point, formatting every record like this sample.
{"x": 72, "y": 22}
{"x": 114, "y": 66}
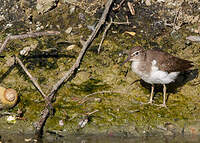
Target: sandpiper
{"x": 155, "y": 66}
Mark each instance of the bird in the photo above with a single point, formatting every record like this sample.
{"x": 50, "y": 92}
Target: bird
{"x": 156, "y": 66}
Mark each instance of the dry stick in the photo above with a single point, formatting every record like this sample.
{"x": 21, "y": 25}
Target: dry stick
{"x": 131, "y": 8}
{"x": 92, "y": 112}
{"x": 107, "y": 28}
{"x": 30, "y": 76}
{"x": 104, "y": 34}
{"x": 67, "y": 75}
{"x": 121, "y": 23}
{"x": 28, "y": 35}
{"x": 48, "y": 102}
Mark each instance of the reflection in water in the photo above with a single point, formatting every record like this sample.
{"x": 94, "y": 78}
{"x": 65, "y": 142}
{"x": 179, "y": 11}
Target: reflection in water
{"x": 20, "y": 138}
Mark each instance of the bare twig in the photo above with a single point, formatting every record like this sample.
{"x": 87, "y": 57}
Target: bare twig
{"x": 127, "y": 21}
{"x": 30, "y": 76}
{"x": 48, "y": 102}
{"x": 104, "y": 34}
{"x": 90, "y": 113}
{"x": 131, "y": 8}
{"x": 107, "y": 28}
{"x": 28, "y": 35}
{"x": 67, "y": 75}
{"x": 121, "y": 23}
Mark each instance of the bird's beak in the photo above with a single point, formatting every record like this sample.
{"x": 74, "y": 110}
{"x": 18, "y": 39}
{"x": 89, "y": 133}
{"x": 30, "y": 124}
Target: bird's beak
{"x": 125, "y": 61}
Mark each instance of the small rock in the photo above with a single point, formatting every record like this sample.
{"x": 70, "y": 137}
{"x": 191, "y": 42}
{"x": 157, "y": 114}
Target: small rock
{"x": 9, "y": 25}
{"x": 148, "y": 2}
{"x": 195, "y": 19}
{"x": 58, "y": 26}
{"x": 61, "y": 123}
{"x": 97, "y": 100}
{"x": 69, "y": 30}
{"x": 161, "y": 1}
{"x": 80, "y": 26}
{"x": 188, "y": 42}
{"x": 45, "y": 5}
{"x": 83, "y": 122}
{"x": 26, "y": 50}
{"x": 28, "y": 139}
{"x": 196, "y": 31}
{"x": 71, "y": 47}
{"x": 2, "y": 17}
{"x": 11, "y": 119}
{"x": 72, "y": 9}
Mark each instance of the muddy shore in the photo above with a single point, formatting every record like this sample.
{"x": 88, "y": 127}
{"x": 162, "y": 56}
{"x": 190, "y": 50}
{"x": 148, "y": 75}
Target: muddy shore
{"x": 101, "y": 97}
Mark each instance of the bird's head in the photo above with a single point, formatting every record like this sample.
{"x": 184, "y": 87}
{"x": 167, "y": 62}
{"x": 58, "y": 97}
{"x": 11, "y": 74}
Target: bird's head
{"x": 134, "y": 54}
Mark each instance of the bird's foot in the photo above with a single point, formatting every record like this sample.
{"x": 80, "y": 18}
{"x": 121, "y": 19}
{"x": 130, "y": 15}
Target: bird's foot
{"x": 150, "y": 102}
{"x": 159, "y": 105}
{"x": 163, "y": 105}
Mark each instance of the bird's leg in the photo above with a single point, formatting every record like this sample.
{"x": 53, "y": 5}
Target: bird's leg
{"x": 164, "y": 95}
{"x": 152, "y": 91}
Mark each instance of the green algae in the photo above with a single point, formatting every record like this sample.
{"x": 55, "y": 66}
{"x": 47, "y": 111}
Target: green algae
{"x": 116, "y": 112}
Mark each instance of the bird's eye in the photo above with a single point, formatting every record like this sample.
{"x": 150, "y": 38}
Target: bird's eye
{"x": 136, "y": 53}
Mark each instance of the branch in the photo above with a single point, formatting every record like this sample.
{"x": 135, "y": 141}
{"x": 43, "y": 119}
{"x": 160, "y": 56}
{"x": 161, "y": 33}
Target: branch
{"x": 67, "y": 75}
{"x": 48, "y": 102}
{"x": 30, "y": 76}
{"x": 28, "y": 35}
{"x": 104, "y": 34}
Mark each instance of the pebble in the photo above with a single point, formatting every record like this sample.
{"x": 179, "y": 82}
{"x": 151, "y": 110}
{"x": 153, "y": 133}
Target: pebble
{"x": 45, "y": 5}
{"x": 2, "y": 17}
{"x": 69, "y": 30}
{"x": 71, "y": 47}
{"x": 72, "y": 9}
{"x": 11, "y": 119}
{"x": 61, "y": 123}
{"x": 148, "y": 2}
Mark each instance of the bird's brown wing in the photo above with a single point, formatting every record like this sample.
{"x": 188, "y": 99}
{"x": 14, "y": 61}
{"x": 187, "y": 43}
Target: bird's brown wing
{"x": 170, "y": 63}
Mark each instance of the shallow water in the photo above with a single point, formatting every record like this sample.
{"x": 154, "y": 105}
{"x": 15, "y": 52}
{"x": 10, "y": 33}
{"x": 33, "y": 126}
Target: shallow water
{"x": 19, "y": 138}
{"x": 102, "y": 139}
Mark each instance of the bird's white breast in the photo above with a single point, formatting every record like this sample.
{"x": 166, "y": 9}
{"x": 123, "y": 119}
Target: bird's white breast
{"x": 155, "y": 76}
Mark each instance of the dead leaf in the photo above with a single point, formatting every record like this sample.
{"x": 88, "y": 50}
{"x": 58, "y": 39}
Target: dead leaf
{"x": 130, "y": 33}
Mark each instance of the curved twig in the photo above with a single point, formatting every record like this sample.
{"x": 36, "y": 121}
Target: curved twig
{"x": 28, "y": 35}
